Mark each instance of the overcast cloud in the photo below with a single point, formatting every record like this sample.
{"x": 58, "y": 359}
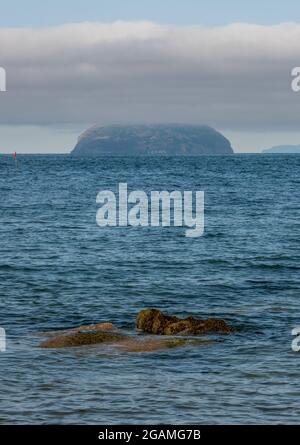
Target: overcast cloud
{"x": 235, "y": 77}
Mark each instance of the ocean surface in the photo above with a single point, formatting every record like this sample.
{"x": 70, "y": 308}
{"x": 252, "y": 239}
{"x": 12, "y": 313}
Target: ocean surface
{"x": 58, "y": 270}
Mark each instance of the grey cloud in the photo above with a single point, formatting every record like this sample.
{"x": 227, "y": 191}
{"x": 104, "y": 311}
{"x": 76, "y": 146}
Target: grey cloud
{"x": 235, "y": 77}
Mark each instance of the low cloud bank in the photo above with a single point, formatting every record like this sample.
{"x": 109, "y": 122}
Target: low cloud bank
{"x": 236, "y": 77}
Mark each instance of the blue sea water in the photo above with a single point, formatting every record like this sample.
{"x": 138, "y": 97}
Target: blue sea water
{"x": 58, "y": 269}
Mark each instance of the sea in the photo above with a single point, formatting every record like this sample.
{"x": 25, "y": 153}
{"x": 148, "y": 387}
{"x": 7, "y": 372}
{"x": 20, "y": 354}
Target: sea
{"x": 59, "y": 270}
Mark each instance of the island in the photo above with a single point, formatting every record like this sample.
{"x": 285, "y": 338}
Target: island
{"x": 163, "y": 139}
{"x": 283, "y": 149}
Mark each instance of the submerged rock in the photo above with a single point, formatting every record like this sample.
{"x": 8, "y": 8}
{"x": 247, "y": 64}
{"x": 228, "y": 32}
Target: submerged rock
{"x": 82, "y": 335}
{"x": 122, "y": 342}
{"x": 81, "y": 338}
{"x": 152, "y": 344}
{"x": 155, "y": 322}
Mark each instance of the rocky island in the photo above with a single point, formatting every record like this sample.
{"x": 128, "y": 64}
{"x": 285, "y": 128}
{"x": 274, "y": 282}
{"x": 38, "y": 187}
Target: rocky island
{"x": 171, "y": 139}
{"x": 283, "y": 149}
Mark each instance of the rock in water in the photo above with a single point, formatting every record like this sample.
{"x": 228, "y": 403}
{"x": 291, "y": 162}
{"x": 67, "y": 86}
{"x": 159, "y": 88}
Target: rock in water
{"x": 124, "y": 343}
{"x": 82, "y": 335}
{"x": 82, "y": 338}
{"x": 155, "y": 322}
{"x": 149, "y": 320}
{"x": 150, "y": 344}
{"x": 165, "y": 139}
{"x": 107, "y": 333}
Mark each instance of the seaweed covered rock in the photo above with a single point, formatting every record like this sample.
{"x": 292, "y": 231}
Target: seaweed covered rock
{"x": 155, "y": 322}
{"x": 123, "y": 342}
{"x": 107, "y": 333}
{"x": 82, "y": 338}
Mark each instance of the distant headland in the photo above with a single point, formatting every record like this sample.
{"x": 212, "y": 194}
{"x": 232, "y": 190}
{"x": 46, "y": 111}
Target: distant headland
{"x": 283, "y": 149}
{"x": 162, "y": 139}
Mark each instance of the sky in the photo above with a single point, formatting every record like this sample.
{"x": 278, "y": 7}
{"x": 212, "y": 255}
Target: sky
{"x": 72, "y": 64}
{"x": 178, "y": 12}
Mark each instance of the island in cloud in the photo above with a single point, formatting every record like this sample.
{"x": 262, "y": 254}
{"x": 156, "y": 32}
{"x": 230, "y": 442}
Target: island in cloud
{"x": 283, "y": 149}
{"x": 158, "y": 139}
